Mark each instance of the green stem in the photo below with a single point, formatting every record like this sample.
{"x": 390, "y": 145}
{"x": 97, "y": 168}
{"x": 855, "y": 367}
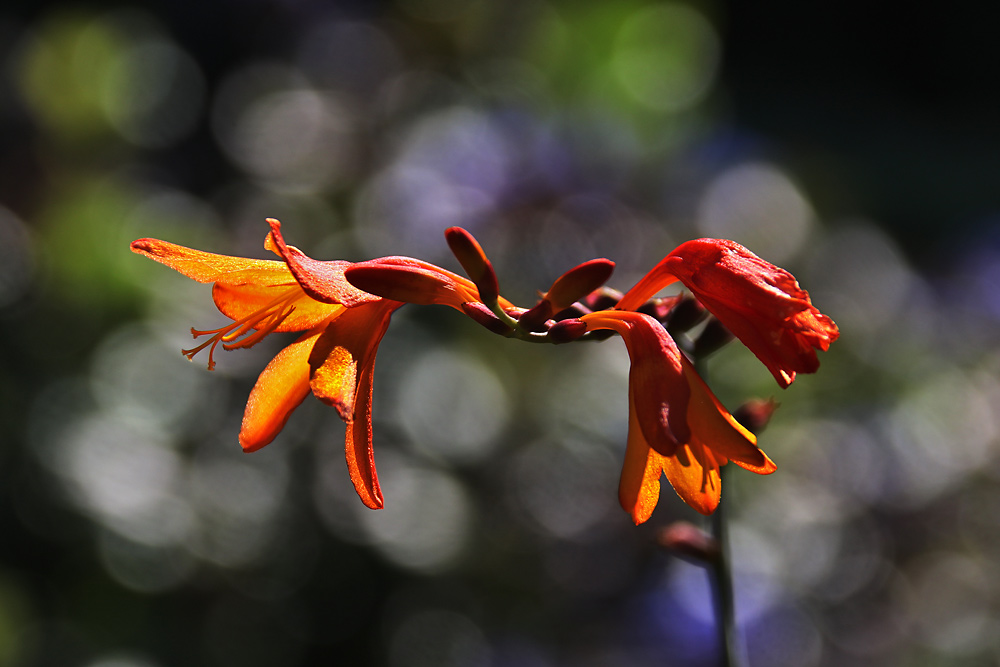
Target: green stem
{"x": 722, "y": 590}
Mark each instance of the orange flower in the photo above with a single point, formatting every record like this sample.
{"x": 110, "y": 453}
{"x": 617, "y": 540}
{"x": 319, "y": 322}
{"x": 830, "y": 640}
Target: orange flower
{"x": 334, "y": 358}
{"x": 677, "y": 426}
{"x": 758, "y": 302}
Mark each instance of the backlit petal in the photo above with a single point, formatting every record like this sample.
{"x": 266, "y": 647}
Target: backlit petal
{"x": 280, "y": 389}
{"x": 348, "y": 344}
{"x": 695, "y": 477}
{"x": 639, "y": 486}
{"x": 207, "y": 267}
{"x": 712, "y": 424}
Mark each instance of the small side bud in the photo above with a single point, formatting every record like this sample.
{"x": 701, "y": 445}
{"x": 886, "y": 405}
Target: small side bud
{"x": 534, "y": 318}
{"x": 602, "y": 298}
{"x": 714, "y": 336}
{"x": 755, "y": 414}
{"x": 566, "y": 331}
{"x": 686, "y": 314}
{"x": 578, "y": 282}
{"x": 486, "y": 318}
{"x": 661, "y": 309}
{"x": 472, "y": 258}
{"x": 687, "y": 540}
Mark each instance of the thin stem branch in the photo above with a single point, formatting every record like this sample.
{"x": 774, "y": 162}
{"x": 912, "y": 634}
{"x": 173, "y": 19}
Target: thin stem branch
{"x": 722, "y": 590}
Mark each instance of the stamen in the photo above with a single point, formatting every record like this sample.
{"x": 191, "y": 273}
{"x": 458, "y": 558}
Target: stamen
{"x": 254, "y": 327}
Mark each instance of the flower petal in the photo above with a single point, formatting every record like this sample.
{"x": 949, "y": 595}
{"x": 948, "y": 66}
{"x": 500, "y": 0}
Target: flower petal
{"x": 358, "y": 443}
{"x": 712, "y": 425}
{"x": 760, "y": 303}
{"x": 280, "y": 389}
{"x": 207, "y": 267}
{"x": 346, "y": 347}
{"x": 323, "y": 281}
{"x": 343, "y": 366}
{"x": 639, "y": 486}
{"x": 656, "y": 377}
{"x": 694, "y": 474}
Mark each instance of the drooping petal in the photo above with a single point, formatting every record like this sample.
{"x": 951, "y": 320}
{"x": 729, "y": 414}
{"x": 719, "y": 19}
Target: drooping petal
{"x": 323, "y": 281}
{"x": 639, "y": 486}
{"x": 694, "y": 474}
{"x": 343, "y": 365}
{"x": 348, "y": 344}
{"x": 280, "y": 389}
{"x": 714, "y": 426}
{"x": 656, "y": 377}
{"x": 358, "y": 448}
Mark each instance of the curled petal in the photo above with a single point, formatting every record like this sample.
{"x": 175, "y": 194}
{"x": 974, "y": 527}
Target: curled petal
{"x": 280, "y": 389}
{"x": 358, "y": 448}
{"x": 656, "y": 378}
{"x": 323, "y": 281}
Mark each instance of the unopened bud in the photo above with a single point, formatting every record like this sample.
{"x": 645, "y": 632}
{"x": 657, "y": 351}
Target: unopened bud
{"x": 566, "y": 331}
{"x": 686, "y": 539}
{"x": 755, "y": 414}
{"x": 534, "y": 318}
{"x": 486, "y": 318}
{"x": 602, "y": 298}
{"x": 712, "y": 337}
{"x": 472, "y": 258}
{"x": 578, "y": 282}
{"x": 662, "y": 309}
{"x": 686, "y": 314}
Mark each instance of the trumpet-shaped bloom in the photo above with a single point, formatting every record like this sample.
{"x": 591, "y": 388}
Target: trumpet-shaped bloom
{"x": 677, "y": 427}
{"x": 341, "y": 327}
{"x": 758, "y": 302}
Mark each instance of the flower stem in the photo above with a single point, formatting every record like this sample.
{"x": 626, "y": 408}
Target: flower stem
{"x": 721, "y": 579}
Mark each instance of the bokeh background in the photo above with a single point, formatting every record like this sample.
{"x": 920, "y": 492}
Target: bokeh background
{"x": 855, "y": 144}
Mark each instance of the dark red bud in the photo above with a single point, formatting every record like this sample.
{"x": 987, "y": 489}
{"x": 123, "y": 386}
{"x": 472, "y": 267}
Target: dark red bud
{"x": 755, "y": 414}
{"x": 472, "y": 258}
{"x": 534, "y": 319}
{"x": 688, "y": 540}
{"x": 602, "y": 298}
{"x": 578, "y": 282}
{"x": 712, "y": 337}
{"x": 686, "y": 314}
{"x": 566, "y": 331}
{"x": 485, "y": 317}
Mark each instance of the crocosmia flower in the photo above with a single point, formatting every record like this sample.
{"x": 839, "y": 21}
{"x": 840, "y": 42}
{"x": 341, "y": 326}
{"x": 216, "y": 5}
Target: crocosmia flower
{"x": 758, "y": 302}
{"x": 677, "y": 427}
{"x": 341, "y": 327}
